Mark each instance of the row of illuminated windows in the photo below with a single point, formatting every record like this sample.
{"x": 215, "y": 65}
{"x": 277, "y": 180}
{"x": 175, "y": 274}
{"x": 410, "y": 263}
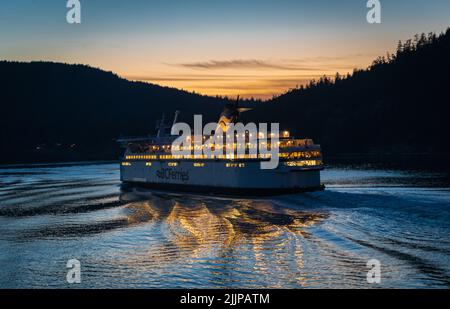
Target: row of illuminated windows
{"x": 251, "y": 145}
{"x": 284, "y": 134}
{"x": 300, "y": 154}
{"x": 235, "y": 165}
{"x": 289, "y": 163}
{"x": 203, "y": 156}
{"x": 283, "y": 144}
{"x": 303, "y": 163}
{"x": 173, "y": 164}
{"x": 140, "y": 157}
{"x": 225, "y": 146}
{"x": 294, "y": 155}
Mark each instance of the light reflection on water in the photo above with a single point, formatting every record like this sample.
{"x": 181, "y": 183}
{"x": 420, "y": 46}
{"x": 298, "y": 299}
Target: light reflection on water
{"x": 144, "y": 239}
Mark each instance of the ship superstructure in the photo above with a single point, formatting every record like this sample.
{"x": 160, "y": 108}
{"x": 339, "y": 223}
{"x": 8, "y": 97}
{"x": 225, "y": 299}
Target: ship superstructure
{"x": 150, "y": 162}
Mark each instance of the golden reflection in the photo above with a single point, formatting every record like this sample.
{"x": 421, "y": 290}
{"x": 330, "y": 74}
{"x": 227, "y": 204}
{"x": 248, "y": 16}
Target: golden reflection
{"x": 191, "y": 228}
{"x": 218, "y": 221}
{"x": 197, "y": 223}
{"x": 140, "y": 212}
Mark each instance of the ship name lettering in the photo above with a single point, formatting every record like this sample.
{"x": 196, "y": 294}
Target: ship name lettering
{"x": 168, "y": 173}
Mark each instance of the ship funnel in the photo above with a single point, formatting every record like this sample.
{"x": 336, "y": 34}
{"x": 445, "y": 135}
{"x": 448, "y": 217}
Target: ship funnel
{"x": 230, "y": 114}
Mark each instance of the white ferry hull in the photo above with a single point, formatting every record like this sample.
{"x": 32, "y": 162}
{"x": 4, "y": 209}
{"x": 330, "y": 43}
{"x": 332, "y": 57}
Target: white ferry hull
{"x": 216, "y": 177}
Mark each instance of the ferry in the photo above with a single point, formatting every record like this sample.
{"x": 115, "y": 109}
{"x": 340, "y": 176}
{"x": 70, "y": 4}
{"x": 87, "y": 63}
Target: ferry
{"x": 148, "y": 162}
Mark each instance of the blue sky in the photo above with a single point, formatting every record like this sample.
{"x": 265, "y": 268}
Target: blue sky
{"x": 256, "y": 48}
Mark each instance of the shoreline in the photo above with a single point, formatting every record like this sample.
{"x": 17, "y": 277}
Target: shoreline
{"x": 56, "y": 164}
{"x": 404, "y": 160}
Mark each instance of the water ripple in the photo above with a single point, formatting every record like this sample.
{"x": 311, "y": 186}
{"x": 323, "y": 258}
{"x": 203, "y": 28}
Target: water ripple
{"x": 146, "y": 239}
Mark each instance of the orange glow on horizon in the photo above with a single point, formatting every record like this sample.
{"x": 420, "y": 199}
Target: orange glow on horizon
{"x": 249, "y": 79}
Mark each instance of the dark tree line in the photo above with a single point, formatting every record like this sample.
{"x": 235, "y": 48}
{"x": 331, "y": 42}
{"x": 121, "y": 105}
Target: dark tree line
{"x": 54, "y": 111}
{"x": 399, "y": 104}
{"x": 409, "y": 47}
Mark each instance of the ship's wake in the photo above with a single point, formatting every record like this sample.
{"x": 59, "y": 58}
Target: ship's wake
{"x": 159, "y": 239}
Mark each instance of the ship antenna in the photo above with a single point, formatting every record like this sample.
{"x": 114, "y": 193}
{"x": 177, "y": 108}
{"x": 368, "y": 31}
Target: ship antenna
{"x": 160, "y": 126}
{"x": 176, "y": 117}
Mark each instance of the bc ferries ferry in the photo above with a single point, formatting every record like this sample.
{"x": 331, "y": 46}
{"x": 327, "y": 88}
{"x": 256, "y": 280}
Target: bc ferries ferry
{"x": 149, "y": 162}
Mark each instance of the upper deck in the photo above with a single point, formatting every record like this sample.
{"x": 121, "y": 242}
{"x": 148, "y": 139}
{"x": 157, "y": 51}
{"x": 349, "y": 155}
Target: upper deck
{"x": 152, "y": 148}
{"x": 232, "y": 146}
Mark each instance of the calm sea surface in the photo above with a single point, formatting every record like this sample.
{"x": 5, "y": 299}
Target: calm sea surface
{"x": 51, "y": 214}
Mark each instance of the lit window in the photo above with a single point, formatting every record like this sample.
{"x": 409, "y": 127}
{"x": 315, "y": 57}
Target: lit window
{"x": 235, "y": 165}
{"x": 303, "y": 163}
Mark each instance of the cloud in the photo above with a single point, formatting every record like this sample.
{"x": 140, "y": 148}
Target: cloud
{"x": 241, "y": 64}
{"x": 319, "y": 63}
{"x": 251, "y": 77}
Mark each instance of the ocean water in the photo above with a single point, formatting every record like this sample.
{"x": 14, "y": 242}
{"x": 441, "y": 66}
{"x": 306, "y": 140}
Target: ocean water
{"x": 143, "y": 239}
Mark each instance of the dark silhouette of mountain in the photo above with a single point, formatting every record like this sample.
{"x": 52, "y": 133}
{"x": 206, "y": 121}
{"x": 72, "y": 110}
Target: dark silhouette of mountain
{"x": 400, "y": 104}
{"x": 54, "y": 111}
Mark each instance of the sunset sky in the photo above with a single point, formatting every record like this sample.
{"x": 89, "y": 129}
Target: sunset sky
{"x": 253, "y": 48}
